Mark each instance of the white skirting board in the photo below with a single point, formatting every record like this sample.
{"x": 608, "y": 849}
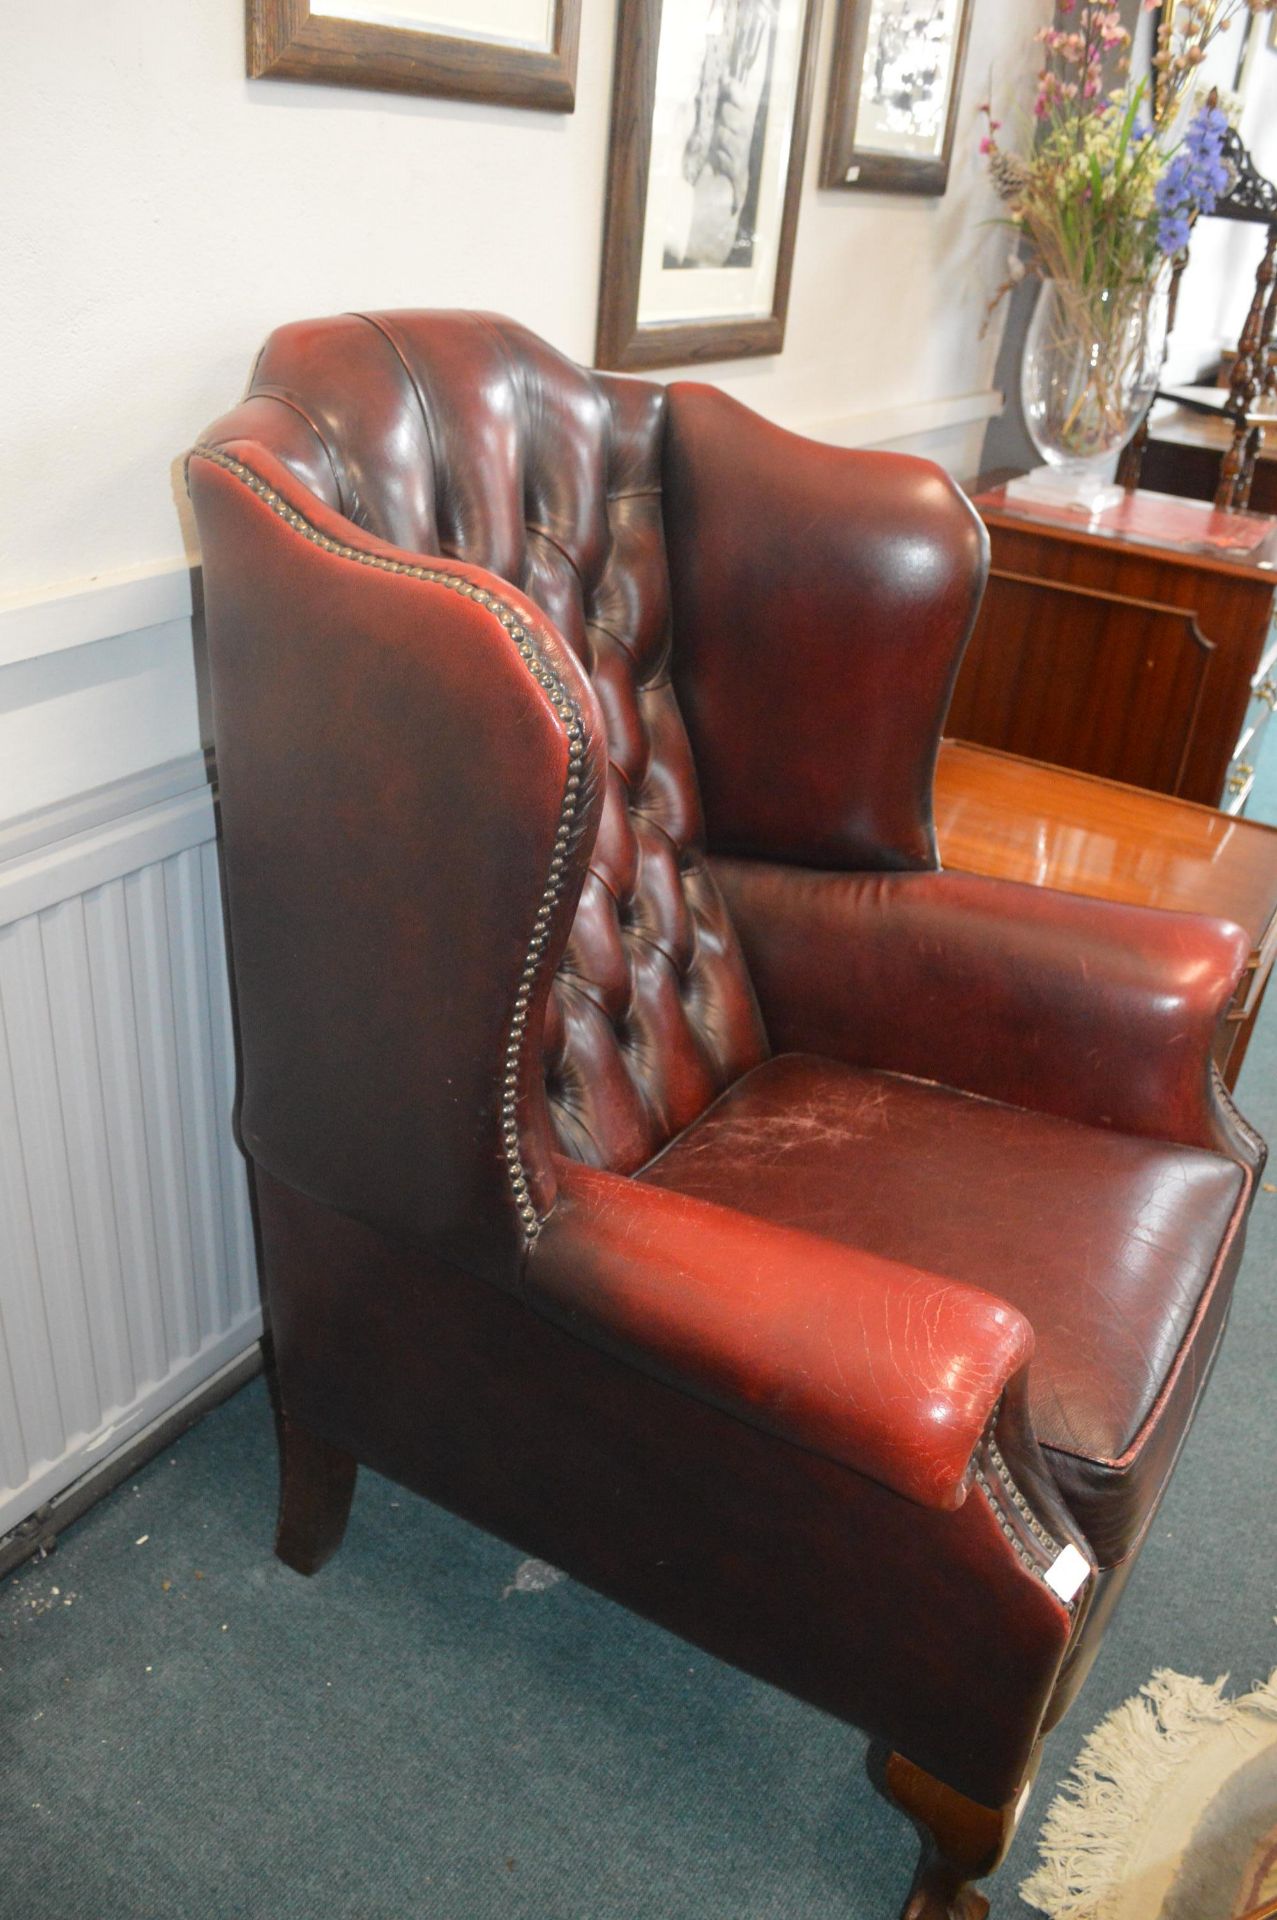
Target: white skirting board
{"x": 127, "y": 1270}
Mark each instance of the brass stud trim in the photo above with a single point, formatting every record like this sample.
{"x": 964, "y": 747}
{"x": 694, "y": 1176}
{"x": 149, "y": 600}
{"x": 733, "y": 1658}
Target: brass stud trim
{"x": 1230, "y": 1107}
{"x": 565, "y": 706}
{"x": 1012, "y": 1511}
{"x": 1022, "y": 1552}
{"x": 1019, "y": 1502}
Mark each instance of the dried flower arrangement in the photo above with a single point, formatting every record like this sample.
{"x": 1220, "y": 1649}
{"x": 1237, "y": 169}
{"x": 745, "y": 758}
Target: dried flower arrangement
{"x": 1108, "y": 190}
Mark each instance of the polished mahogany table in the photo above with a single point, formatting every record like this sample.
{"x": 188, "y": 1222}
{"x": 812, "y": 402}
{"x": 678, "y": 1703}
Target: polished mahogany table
{"x": 1017, "y": 819}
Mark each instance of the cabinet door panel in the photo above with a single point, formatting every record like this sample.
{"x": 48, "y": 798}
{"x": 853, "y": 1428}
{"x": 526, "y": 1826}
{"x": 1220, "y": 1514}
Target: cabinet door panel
{"x": 1083, "y": 678}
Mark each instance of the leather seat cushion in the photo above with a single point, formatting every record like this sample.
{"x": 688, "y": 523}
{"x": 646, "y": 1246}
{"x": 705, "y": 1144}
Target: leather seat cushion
{"x": 1119, "y": 1251}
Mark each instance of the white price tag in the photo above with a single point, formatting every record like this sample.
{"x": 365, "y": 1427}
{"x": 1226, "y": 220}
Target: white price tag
{"x": 1068, "y": 1575}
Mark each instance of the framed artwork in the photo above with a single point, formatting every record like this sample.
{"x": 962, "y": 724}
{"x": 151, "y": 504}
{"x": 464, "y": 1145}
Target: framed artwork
{"x": 710, "y": 107}
{"x": 893, "y": 94}
{"x": 519, "y": 53}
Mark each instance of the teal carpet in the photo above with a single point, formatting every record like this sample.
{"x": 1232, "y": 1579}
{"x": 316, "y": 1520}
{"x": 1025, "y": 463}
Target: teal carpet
{"x": 193, "y": 1733}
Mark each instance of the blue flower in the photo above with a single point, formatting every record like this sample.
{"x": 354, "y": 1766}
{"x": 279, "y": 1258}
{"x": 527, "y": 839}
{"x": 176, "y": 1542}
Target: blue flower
{"x": 1172, "y": 189}
{"x": 1194, "y": 179}
{"x": 1172, "y": 233}
{"x": 1206, "y": 130}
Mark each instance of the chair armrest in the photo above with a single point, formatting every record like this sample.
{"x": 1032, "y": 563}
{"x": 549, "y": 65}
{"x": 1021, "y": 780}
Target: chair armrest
{"x": 877, "y": 1365}
{"x": 821, "y": 602}
{"x": 1094, "y": 1011}
{"x": 400, "y": 882}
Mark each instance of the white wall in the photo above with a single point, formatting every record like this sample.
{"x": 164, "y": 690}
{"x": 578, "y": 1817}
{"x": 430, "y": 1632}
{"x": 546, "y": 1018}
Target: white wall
{"x": 164, "y": 213}
{"x": 160, "y": 213}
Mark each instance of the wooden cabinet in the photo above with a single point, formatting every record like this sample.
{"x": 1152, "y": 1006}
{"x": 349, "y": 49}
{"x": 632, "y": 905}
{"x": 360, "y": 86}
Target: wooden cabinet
{"x": 1103, "y": 648}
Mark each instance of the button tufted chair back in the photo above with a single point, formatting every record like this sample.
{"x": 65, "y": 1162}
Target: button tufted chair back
{"x": 463, "y": 435}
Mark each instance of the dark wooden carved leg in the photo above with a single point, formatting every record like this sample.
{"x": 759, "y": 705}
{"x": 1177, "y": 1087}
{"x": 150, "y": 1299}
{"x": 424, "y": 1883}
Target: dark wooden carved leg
{"x": 1247, "y": 382}
{"x": 317, "y": 1483}
{"x": 961, "y": 1840}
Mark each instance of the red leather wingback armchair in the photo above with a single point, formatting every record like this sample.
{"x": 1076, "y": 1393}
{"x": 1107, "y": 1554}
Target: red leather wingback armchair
{"x": 659, "y": 1161}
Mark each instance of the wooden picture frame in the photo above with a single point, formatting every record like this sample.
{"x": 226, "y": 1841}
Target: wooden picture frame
{"x": 298, "y": 40}
{"x": 893, "y": 95}
{"x": 698, "y": 82}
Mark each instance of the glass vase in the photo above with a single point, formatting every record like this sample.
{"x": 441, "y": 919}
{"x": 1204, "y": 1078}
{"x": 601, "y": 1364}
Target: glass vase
{"x": 1090, "y": 370}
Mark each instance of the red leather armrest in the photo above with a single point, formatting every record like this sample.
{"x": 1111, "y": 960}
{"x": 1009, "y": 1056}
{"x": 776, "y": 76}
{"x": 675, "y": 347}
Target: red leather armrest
{"x": 877, "y": 1365}
{"x": 821, "y": 601}
{"x": 1097, "y": 1012}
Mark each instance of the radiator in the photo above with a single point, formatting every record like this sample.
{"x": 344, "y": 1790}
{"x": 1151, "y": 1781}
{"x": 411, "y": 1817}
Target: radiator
{"x": 127, "y": 1271}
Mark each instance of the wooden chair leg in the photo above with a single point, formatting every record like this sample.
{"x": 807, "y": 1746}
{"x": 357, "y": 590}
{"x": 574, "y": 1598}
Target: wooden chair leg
{"x": 961, "y": 1840}
{"x": 317, "y": 1483}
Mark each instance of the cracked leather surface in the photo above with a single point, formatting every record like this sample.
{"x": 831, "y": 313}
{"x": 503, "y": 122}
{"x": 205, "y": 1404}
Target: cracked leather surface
{"x": 1104, "y": 1242}
{"x": 870, "y": 1362}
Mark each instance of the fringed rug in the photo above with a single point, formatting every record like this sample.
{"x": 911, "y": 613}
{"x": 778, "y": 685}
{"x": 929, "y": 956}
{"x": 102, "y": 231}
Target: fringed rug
{"x": 1170, "y": 1812}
